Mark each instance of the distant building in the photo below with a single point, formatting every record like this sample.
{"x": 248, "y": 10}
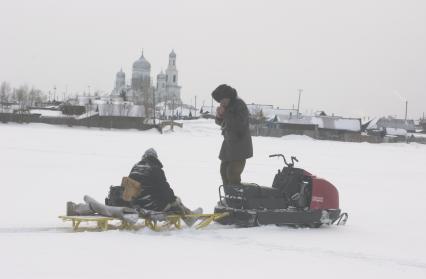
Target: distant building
{"x": 319, "y": 127}
{"x": 325, "y": 122}
{"x": 423, "y": 125}
{"x": 392, "y": 126}
{"x": 141, "y": 74}
{"x": 168, "y": 88}
{"x": 120, "y": 84}
{"x": 269, "y": 112}
{"x": 141, "y": 90}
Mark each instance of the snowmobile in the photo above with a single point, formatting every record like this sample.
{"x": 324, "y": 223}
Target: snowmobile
{"x": 296, "y": 198}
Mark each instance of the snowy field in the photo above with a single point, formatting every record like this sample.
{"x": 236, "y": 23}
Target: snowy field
{"x": 382, "y": 187}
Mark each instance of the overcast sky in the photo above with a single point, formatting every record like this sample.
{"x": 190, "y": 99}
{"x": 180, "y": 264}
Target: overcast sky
{"x": 353, "y": 58}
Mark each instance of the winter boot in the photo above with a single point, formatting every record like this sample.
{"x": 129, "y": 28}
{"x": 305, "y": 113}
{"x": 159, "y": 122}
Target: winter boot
{"x": 190, "y": 221}
{"x": 80, "y": 209}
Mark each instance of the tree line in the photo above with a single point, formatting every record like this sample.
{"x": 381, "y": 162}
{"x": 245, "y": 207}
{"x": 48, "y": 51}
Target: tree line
{"x": 23, "y": 95}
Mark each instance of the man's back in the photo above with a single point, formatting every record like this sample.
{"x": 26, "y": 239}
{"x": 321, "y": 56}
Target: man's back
{"x": 156, "y": 192}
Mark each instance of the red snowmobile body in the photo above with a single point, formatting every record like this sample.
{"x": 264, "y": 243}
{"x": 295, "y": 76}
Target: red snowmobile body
{"x": 324, "y": 194}
{"x": 295, "y": 198}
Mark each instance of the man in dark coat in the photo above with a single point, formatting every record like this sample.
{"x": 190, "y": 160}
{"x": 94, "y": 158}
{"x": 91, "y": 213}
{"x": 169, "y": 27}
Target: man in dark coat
{"x": 146, "y": 190}
{"x": 233, "y": 117}
{"x": 155, "y": 193}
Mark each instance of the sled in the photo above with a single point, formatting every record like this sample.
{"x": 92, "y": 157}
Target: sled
{"x": 103, "y": 223}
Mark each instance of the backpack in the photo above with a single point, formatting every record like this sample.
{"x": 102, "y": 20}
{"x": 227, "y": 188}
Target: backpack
{"x": 115, "y": 197}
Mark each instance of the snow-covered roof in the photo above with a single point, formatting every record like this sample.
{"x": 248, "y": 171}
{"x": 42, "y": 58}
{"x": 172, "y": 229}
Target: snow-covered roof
{"x": 324, "y": 122}
{"x": 388, "y": 122}
{"x": 124, "y": 109}
{"x": 348, "y": 124}
{"x": 270, "y": 112}
{"x": 396, "y": 132}
{"x": 45, "y": 112}
{"x": 84, "y": 100}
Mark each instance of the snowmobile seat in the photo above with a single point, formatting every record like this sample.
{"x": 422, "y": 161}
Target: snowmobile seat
{"x": 253, "y": 196}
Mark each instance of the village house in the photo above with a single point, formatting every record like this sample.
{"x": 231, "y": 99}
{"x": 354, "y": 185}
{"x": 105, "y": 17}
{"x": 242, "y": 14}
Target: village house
{"x": 318, "y": 127}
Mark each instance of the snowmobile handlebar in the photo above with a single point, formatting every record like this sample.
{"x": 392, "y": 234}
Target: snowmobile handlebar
{"x": 293, "y": 159}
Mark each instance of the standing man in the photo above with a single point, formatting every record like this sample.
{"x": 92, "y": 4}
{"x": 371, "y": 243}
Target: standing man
{"x": 232, "y": 115}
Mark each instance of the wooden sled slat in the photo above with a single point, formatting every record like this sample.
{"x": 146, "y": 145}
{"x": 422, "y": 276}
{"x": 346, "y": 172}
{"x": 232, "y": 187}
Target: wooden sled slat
{"x": 172, "y": 221}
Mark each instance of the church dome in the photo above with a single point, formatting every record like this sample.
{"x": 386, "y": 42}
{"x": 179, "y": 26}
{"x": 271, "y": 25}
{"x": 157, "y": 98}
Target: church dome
{"x": 142, "y": 64}
{"x": 172, "y": 54}
{"x": 161, "y": 75}
{"x": 121, "y": 73}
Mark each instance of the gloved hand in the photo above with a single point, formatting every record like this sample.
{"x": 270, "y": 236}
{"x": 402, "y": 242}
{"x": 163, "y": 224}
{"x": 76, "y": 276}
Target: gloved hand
{"x": 220, "y": 111}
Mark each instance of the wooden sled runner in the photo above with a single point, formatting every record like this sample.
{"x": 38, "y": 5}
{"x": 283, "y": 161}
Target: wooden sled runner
{"x": 171, "y": 221}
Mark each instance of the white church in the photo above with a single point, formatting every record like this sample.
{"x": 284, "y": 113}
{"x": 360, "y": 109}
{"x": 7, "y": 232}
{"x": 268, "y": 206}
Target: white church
{"x": 141, "y": 89}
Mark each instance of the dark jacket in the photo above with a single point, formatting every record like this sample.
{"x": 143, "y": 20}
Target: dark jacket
{"x": 156, "y": 192}
{"x": 237, "y": 144}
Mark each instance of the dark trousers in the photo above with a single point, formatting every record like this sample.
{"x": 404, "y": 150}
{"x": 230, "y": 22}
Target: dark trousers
{"x": 231, "y": 172}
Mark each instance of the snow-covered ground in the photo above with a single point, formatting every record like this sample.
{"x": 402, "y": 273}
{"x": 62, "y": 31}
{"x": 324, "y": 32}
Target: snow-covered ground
{"x": 52, "y": 113}
{"x": 381, "y": 186}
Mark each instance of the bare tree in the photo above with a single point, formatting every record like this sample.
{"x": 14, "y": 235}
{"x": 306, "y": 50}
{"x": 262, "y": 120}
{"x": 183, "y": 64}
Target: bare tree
{"x": 4, "y": 93}
{"x": 123, "y": 95}
{"x": 35, "y": 97}
{"x": 22, "y": 96}
{"x": 147, "y": 98}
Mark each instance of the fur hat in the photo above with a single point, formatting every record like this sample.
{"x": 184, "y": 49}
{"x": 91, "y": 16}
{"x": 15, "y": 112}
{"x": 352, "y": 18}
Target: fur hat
{"x": 224, "y": 91}
{"x": 150, "y": 153}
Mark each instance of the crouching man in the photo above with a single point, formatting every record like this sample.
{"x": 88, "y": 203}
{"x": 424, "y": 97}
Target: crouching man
{"x": 147, "y": 187}
{"x": 144, "y": 191}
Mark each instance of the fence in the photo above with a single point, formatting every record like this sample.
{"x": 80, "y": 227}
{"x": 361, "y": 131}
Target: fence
{"x": 109, "y": 122}
{"x": 326, "y": 134}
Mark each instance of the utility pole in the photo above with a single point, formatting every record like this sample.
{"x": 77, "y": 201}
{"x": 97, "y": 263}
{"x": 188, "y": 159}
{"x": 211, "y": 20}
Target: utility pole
{"x": 173, "y": 112}
{"x": 165, "y": 109}
{"x": 195, "y": 106}
{"x": 66, "y": 92}
{"x": 298, "y": 103}
{"x": 153, "y": 103}
{"x": 406, "y": 110}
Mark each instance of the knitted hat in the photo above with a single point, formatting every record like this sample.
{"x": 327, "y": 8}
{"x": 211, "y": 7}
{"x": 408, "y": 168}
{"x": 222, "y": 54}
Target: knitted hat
{"x": 150, "y": 153}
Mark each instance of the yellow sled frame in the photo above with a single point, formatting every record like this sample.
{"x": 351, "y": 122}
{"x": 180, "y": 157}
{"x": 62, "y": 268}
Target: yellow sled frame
{"x": 103, "y": 223}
